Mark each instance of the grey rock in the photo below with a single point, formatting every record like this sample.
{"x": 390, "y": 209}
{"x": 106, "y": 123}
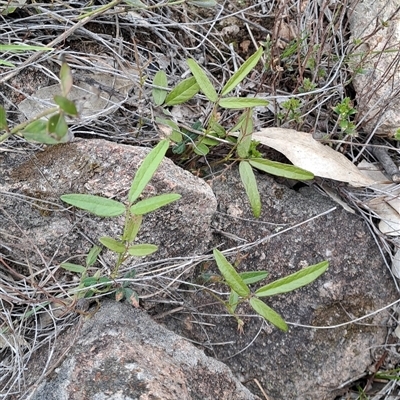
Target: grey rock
{"x": 122, "y": 354}
{"x": 377, "y": 85}
{"x": 102, "y": 168}
{"x": 305, "y": 363}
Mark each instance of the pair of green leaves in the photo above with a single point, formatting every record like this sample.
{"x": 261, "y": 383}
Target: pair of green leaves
{"x": 240, "y": 290}
{"x": 189, "y": 87}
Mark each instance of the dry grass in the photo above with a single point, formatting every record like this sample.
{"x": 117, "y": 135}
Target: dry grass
{"x": 307, "y": 42}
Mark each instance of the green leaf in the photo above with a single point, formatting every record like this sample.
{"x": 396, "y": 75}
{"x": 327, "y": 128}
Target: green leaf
{"x": 242, "y": 72}
{"x": 253, "y": 276}
{"x": 112, "y": 244}
{"x": 132, "y": 226}
{"x": 132, "y": 297}
{"x": 201, "y": 149}
{"x": 201, "y": 78}
{"x": 66, "y": 105}
{"x": 141, "y": 250}
{"x": 281, "y": 169}
{"x": 203, "y": 3}
{"x": 268, "y": 313}
{"x": 73, "y": 267}
{"x": 233, "y": 301}
{"x": 7, "y": 63}
{"x": 246, "y": 130}
{"x": 250, "y": 185}
{"x": 153, "y": 203}
{"x": 241, "y": 102}
{"x": 57, "y": 126}
{"x": 3, "y": 118}
{"x": 182, "y": 92}
{"x": 66, "y": 79}
{"x": 147, "y": 170}
{"x": 293, "y": 281}
{"x": 95, "y": 204}
{"x": 15, "y": 48}
{"x": 233, "y": 279}
{"x": 209, "y": 141}
{"x": 135, "y": 3}
{"x": 91, "y": 258}
{"x": 37, "y": 131}
{"x": 119, "y": 294}
{"x": 160, "y": 80}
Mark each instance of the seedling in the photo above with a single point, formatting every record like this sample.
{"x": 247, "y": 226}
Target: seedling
{"x": 134, "y": 210}
{"x": 243, "y": 148}
{"x": 239, "y": 283}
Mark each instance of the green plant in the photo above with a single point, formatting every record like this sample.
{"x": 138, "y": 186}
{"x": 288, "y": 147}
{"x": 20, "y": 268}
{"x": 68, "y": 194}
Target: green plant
{"x": 200, "y": 139}
{"x": 345, "y": 110}
{"x": 292, "y": 110}
{"x": 134, "y": 210}
{"x": 53, "y": 130}
{"x": 239, "y": 283}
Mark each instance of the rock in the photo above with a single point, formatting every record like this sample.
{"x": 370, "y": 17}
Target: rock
{"x": 122, "y": 354}
{"x": 305, "y": 363}
{"x": 374, "y": 22}
{"x": 102, "y": 168}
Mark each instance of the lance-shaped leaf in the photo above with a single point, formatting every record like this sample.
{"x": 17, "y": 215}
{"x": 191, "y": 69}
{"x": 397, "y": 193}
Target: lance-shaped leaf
{"x": 183, "y": 92}
{"x": 293, "y": 281}
{"x": 80, "y": 269}
{"x": 202, "y": 79}
{"x": 251, "y": 277}
{"x": 112, "y": 244}
{"x": 233, "y": 279}
{"x": 3, "y": 118}
{"x": 95, "y": 204}
{"x": 140, "y": 250}
{"x": 242, "y": 72}
{"x": 281, "y": 169}
{"x": 147, "y": 170}
{"x": 22, "y": 47}
{"x": 242, "y": 102}
{"x": 244, "y": 139}
{"x": 65, "y": 78}
{"x": 233, "y": 302}
{"x": 268, "y": 313}
{"x": 91, "y": 258}
{"x": 153, "y": 203}
{"x": 132, "y": 226}
{"x": 250, "y": 185}
{"x": 160, "y": 81}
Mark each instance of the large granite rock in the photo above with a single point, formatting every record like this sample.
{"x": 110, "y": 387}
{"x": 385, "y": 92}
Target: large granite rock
{"x": 122, "y": 354}
{"x": 306, "y": 363}
{"x": 375, "y": 25}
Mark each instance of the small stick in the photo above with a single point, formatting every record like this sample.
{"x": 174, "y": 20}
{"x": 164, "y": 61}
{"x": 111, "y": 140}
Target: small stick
{"x": 390, "y": 167}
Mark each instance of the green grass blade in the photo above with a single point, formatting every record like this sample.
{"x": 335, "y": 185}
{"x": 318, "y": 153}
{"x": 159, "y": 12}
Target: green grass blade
{"x": 202, "y": 79}
{"x": 281, "y": 169}
{"x": 293, "y": 281}
{"x": 15, "y": 48}
{"x": 95, "y": 204}
{"x": 91, "y": 258}
{"x": 3, "y": 118}
{"x": 250, "y": 185}
{"x": 242, "y": 72}
{"x": 233, "y": 279}
{"x": 183, "y": 92}
{"x": 147, "y": 170}
{"x": 153, "y": 203}
{"x": 268, "y": 313}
